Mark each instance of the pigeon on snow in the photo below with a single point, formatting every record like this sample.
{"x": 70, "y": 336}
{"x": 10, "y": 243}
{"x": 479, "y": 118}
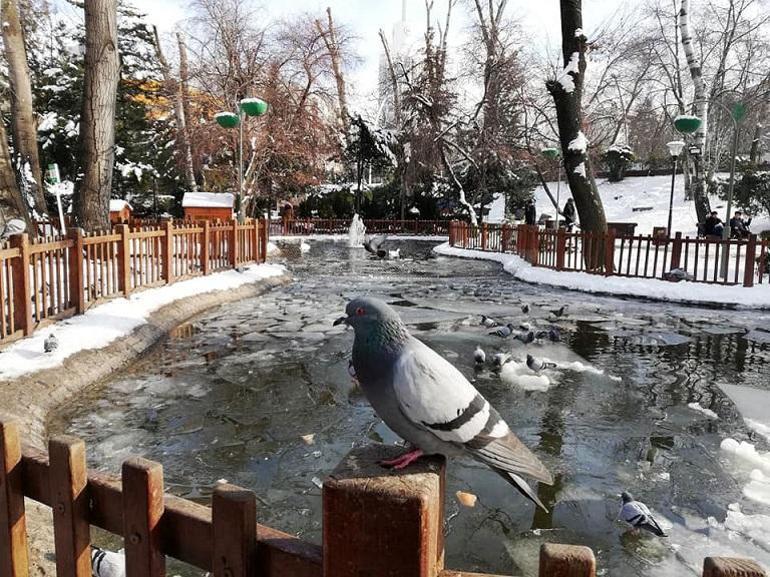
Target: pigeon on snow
{"x": 503, "y": 332}
{"x": 636, "y": 514}
{"x": 428, "y": 402}
{"x": 374, "y": 245}
{"x": 479, "y": 355}
{"x": 537, "y": 365}
{"x": 107, "y": 563}
{"x": 488, "y": 322}
{"x": 552, "y": 334}
{"x": 525, "y": 337}
{"x": 51, "y": 343}
{"x": 500, "y": 359}
{"x": 525, "y": 326}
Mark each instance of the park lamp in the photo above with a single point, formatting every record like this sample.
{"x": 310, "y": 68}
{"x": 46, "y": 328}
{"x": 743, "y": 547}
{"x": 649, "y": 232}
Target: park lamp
{"x": 687, "y": 124}
{"x": 675, "y": 148}
{"x": 550, "y": 153}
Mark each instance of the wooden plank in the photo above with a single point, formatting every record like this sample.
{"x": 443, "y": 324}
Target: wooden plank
{"x": 14, "y": 556}
{"x": 731, "y": 567}
{"x": 37, "y": 248}
{"x": 234, "y": 522}
{"x": 67, "y": 480}
{"x": 566, "y": 561}
{"x": 233, "y": 244}
{"x": 142, "y": 511}
{"x": 167, "y": 252}
{"x": 21, "y": 285}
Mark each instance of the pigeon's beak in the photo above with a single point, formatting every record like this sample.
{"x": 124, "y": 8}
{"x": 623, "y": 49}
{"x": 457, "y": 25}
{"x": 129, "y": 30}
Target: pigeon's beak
{"x": 340, "y": 320}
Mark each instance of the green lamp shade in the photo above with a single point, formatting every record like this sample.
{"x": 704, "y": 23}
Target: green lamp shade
{"x": 226, "y": 119}
{"x": 687, "y": 124}
{"x": 550, "y": 153}
{"x": 738, "y": 111}
{"x": 254, "y": 106}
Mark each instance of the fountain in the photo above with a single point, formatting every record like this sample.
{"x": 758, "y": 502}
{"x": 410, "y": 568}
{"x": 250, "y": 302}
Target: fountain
{"x": 356, "y": 232}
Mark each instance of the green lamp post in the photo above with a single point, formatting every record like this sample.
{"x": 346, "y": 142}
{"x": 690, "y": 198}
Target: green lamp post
{"x": 246, "y": 107}
{"x": 552, "y": 153}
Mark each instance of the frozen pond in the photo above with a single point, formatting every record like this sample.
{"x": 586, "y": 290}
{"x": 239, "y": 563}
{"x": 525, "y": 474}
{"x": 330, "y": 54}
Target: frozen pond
{"x": 636, "y": 404}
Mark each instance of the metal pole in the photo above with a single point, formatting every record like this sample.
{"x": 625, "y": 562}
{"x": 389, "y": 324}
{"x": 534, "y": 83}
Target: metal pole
{"x": 671, "y": 199}
{"x": 242, "y": 119}
{"x": 558, "y": 191}
{"x": 731, "y": 186}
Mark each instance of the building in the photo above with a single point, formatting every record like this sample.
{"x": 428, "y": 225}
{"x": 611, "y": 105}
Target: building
{"x": 403, "y": 46}
{"x": 120, "y": 211}
{"x": 208, "y": 205}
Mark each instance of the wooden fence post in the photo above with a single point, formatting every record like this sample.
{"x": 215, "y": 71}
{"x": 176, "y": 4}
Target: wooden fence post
{"x": 124, "y": 259}
{"x": 751, "y": 257}
{"x": 452, "y": 233}
{"x": 14, "y": 557}
{"x": 676, "y": 251}
{"x": 265, "y": 239}
{"x": 232, "y": 246}
{"x": 535, "y": 245}
{"x": 142, "y": 510}
{"x": 255, "y": 241}
{"x": 68, "y": 480}
{"x": 22, "y": 293}
{"x": 566, "y": 561}
{"x": 483, "y": 236}
{"x": 76, "y": 270}
{"x": 168, "y": 251}
{"x": 379, "y": 522}
{"x": 561, "y": 248}
{"x": 234, "y": 521}
{"x": 731, "y": 567}
{"x": 206, "y": 248}
{"x": 505, "y": 238}
{"x": 609, "y": 251}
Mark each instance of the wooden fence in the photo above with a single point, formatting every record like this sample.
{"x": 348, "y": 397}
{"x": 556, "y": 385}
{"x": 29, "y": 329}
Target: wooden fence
{"x": 307, "y": 226}
{"x": 628, "y": 256}
{"x": 49, "y": 279}
{"x": 376, "y": 523}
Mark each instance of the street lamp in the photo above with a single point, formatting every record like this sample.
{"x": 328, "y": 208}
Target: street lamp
{"x": 674, "y": 149}
{"x": 246, "y": 107}
{"x": 552, "y": 154}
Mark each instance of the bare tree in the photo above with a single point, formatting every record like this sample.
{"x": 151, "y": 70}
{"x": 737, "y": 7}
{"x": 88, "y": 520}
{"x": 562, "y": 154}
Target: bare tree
{"x": 11, "y": 205}
{"x": 97, "y": 124}
{"x": 24, "y": 127}
{"x": 329, "y": 37}
{"x": 567, "y": 90}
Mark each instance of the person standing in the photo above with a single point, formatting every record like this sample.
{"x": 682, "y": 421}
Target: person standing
{"x": 569, "y": 214}
{"x": 530, "y": 213}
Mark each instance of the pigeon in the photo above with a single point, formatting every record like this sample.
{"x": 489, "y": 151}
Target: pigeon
{"x": 554, "y": 334}
{"x": 559, "y": 312}
{"x": 503, "y": 332}
{"x": 428, "y": 402}
{"x": 488, "y": 322}
{"x": 394, "y": 254}
{"x": 107, "y": 563}
{"x": 537, "y": 365}
{"x": 500, "y": 359}
{"x": 636, "y": 514}
{"x": 525, "y": 326}
{"x": 525, "y": 308}
{"x": 479, "y": 355}
{"x": 51, "y": 343}
{"x": 525, "y": 337}
{"x": 374, "y": 245}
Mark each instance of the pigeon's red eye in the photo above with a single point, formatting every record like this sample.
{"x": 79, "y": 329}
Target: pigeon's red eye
{"x": 360, "y": 311}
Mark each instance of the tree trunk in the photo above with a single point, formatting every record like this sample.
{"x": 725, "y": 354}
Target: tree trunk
{"x": 756, "y": 147}
{"x": 174, "y": 90}
{"x": 97, "y": 124}
{"x": 567, "y": 91}
{"x": 700, "y": 109}
{"x": 184, "y": 95}
{"x": 24, "y": 127}
{"x": 11, "y": 204}
{"x": 330, "y": 39}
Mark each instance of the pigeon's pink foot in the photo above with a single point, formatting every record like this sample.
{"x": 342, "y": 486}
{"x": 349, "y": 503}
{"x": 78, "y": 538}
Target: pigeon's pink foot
{"x": 403, "y": 461}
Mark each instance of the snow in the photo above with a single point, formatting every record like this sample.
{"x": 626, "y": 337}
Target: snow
{"x": 580, "y": 169}
{"x": 116, "y": 205}
{"x": 208, "y": 200}
{"x": 579, "y": 33}
{"x": 756, "y": 297}
{"x": 48, "y": 122}
{"x": 102, "y": 324}
{"x": 566, "y": 78}
{"x": 579, "y": 143}
{"x": 708, "y": 412}
{"x": 752, "y": 405}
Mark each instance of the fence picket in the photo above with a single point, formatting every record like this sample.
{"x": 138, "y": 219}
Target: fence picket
{"x": 234, "y": 522}
{"x": 14, "y": 561}
{"x": 142, "y": 511}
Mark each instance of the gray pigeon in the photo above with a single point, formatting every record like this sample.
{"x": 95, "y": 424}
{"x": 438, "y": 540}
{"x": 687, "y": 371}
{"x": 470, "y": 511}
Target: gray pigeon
{"x": 500, "y": 359}
{"x": 374, "y": 244}
{"x": 488, "y": 322}
{"x": 636, "y": 514}
{"x": 479, "y": 355}
{"x": 525, "y": 337}
{"x": 50, "y": 344}
{"x": 559, "y": 312}
{"x": 107, "y": 563}
{"x": 503, "y": 332}
{"x": 428, "y": 402}
{"x": 525, "y": 326}
{"x": 537, "y": 365}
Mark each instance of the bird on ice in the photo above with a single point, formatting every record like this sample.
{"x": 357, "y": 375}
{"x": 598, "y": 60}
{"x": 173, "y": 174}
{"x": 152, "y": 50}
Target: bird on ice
{"x": 479, "y": 355}
{"x": 500, "y": 359}
{"x": 537, "y": 365}
{"x": 107, "y": 563}
{"x": 559, "y": 312}
{"x": 525, "y": 337}
{"x": 636, "y": 514}
{"x": 525, "y": 326}
{"x": 51, "y": 343}
{"x": 525, "y": 308}
{"x": 504, "y": 331}
{"x": 373, "y": 244}
{"x": 428, "y": 402}
{"x": 488, "y": 322}
{"x": 552, "y": 334}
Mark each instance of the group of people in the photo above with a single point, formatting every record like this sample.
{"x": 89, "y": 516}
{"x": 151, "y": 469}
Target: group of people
{"x": 530, "y": 213}
{"x": 739, "y": 227}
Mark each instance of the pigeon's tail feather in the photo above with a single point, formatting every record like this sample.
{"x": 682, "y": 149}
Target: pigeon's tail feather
{"x": 521, "y": 486}
{"x": 652, "y": 526}
{"x": 509, "y": 454}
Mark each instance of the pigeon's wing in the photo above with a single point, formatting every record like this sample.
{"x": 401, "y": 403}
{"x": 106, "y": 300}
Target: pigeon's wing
{"x": 435, "y": 395}
{"x": 377, "y": 241}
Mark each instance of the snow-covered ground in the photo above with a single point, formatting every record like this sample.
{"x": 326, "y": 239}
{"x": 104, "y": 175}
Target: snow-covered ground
{"x": 683, "y": 292}
{"x": 104, "y": 323}
{"x": 621, "y": 198}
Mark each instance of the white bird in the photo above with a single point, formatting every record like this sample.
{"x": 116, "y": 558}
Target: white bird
{"x": 488, "y": 322}
{"x": 50, "y": 344}
{"x": 107, "y": 563}
{"x": 537, "y": 365}
{"x": 636, "y": 514}
{"x": 479, "y": 355}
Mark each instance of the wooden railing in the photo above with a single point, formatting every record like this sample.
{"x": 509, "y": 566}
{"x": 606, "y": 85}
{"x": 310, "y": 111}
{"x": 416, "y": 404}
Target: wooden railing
{"x": 308, "y": 226}
{"x": 49, "y": 279}
{"x": 376, "y": 523}
{"x": 636, "y": 256}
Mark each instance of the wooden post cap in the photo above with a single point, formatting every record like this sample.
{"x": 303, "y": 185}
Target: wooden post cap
{"x": 566, "y": 561}
{"x": 731, "y": 567}
{"x": 380, "y": 522}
